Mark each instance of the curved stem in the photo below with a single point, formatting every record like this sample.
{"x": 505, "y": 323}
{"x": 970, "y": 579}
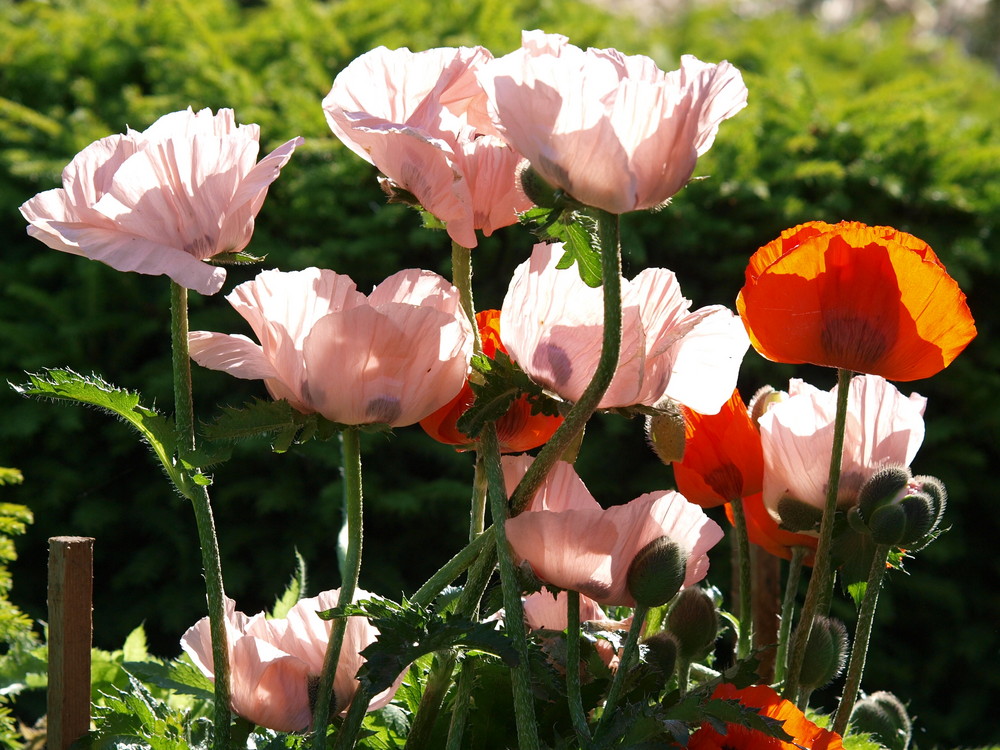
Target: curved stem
{"x": 611, "y": 269}
{"x": 524, "y": 709}
{"x": 453, "y": 568}
{"x": 743, "y": 556}
{"x": 202, "y": 506}
{"x": 862, "y": 635}
{"x": 461, "y": 278}
{"x": 819, "y": 582}
{"x": 573, "y": 693}
{"x": 351, "y": 447}
{"x": 629, "y": 652}
{"x": 787, "y": 609}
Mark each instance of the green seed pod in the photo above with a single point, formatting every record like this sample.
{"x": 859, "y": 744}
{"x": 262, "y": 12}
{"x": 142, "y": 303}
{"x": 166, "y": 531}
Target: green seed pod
{"x": 661, "y": 652}
{"x": 693, "y": 622}
{"x": 798, "y": 516}
{"x": 657, "y": 572}
{"x": 885, "y": 486}
{"x": 883, "y": 716}
{"x": 826, "y": 653}
{"x": 665, "y": 433}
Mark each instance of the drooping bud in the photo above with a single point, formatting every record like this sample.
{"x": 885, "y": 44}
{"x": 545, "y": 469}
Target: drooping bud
{"x": 883, "y": 716}
{"x": 657, "y": 572}
{"x": 665, "y": 433}
{"x": 693, "y": 622}
{"x": 661, "y": 652}
{"x": 826, "y": 653}
{"x": 885, "y": 486}
{"x": 798, "y": 516}
{"x": 762, "y": 400}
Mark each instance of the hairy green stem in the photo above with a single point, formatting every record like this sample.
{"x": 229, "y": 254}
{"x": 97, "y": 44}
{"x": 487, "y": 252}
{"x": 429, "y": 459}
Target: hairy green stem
{"x": 608, "y": 233}
{"x": 453, "y": 568}
{"x": 862, "y": 636}
{"x": 351, "y": 448}
{"x": 819, "y": 582}
{"x": 463, "y": 699}
{"x": 202, "y": 505}
{"x": 461, "y": 278}
{"x": 438, "y": 682}
{"x": 743, "y": 556}
{"x": 787, "y": 611}
{"x": 573, "y": 693}
{"x": 629, "y": 652}
{"x": 477, "y": 516}
{"x": 524, "y": 708}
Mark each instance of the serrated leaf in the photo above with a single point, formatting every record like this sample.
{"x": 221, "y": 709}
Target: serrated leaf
{"x": 265, "y": 418}
{"x": 135, "y": 648}
{"x": 577, "y": 231}
{"x": 295, "y": 590}
{"x": 178, "y": 676}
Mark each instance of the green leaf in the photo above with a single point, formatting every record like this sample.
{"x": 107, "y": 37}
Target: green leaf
{"x": 276, "y": 419}
{"x": 295, "y": 590}
{"x": 408, "y": 631}
{"x": 135, "y": 645}
{"x": 576, "y": 229}
{"x": 179, "y": 676}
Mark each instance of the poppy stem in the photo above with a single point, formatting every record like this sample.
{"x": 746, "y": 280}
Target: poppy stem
{"x": 202, "y": 506}
{"x": 629, "y": 652}
{"x": 453, "y": 568}
{"x": 862, "y": 636}
{"x": 609, "y": 241}
{"x": 819, "y": 582}
{"x": 745, "y": 593}
{"x": 461, "y": 279}
{"x": 524, "y": 708}
{"x": 438, "y": 682}
{"x": 460, "y": 708}
{"x": 477, "y": 516}
{"x": 351, "y": 450}
{"x": 573, "y": 693}
{"x": 787, "y": 610}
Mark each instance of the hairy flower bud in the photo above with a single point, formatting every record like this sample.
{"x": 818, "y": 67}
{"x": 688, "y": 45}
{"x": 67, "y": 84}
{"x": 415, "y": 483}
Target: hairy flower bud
{"x": 885, "y": 486}
{"x": 826, "y": 653}
{"x": 798, "y": 516}
{"x": 661, "y": 652}
{"x": 657, "y": 572}
{"x": 693, "y": 622}
{"x": 665, "y": 433}
{"x": 762, "y": 400}
{"x": 883, "y": 716}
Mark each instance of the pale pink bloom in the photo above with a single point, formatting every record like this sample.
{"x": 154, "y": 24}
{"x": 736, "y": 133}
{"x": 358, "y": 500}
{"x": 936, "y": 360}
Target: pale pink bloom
{"x": 392, "y": 357}
{"x": 552, "y": 325}
{"x": 562, "y": 489}
{"x": 544, "y": 610}
{"x": 883, "y": 427}
{"x": 590, "y": 549}
{"x": 275, "y": 663}
{"x": 162, "y": 201}
{"x": 612, "y": 130}
{"x": 420, "y": 117}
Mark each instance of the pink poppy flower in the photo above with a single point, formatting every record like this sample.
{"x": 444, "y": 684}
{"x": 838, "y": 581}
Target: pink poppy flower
{"x": 552, "y": 325}
{"x": 420, "y": 117}
{"x": 612, "y": 130}
{"x": 392, "y": 357}
{"x": 183, "y": 191}
{"x": 275, "y": 663}
{"x": 588, "y": 549}
{"x": 883, "y": 427}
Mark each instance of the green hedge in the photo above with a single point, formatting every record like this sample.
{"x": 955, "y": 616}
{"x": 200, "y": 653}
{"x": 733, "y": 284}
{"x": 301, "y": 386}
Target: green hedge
{"x": 863, "y": 124}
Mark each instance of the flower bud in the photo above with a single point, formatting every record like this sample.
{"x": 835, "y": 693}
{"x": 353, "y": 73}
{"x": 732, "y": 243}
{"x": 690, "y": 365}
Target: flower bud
{"x": 657, "y": 572}
{"x": 935, "y": 491}
{"x": 883, "y": 716}
{"x": 693, "y": 622}
{"x": 887, "y": 525}
{"x": 826, "y": 653}
{"x": 661, "y": 652}
{"x": 762, "y": 400}
{"x": 797, "y": 516}
{"x": 885, "y": 486}
{"x": 665, "y": 433}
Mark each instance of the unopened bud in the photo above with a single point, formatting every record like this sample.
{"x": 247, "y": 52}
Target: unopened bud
{"x": 661, "y": 652}
{"x": 883, "y": 716}
{"x": 934, "y": 489}
{"x": 665, "y": 433}
{"x": 885, "y": 486}
{"x": 826, "y": 653}
{"x": 887, "y": 525}
{"x": 798, "y": 516}
{"x": 762, "y": 400}
{"x": 693, "y": 622}
{"x": 657, "y": 572}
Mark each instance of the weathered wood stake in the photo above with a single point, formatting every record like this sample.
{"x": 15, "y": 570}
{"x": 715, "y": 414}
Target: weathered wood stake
{"x": 71, "y": 584}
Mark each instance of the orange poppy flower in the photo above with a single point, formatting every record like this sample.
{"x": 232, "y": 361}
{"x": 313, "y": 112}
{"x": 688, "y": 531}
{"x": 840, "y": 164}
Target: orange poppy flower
{"x": 765, "y": 532}
{"x": 518, "y": 430}
{"x": 722, "y": 455}
{"x": 866, "y": 299}
{"x": 805, "y": 734}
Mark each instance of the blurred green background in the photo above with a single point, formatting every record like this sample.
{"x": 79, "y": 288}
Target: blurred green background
{"x": 874, "y": 118}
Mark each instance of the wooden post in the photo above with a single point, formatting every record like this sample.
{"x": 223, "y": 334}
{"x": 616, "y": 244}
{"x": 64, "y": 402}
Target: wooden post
{"x": 71, "y": 583}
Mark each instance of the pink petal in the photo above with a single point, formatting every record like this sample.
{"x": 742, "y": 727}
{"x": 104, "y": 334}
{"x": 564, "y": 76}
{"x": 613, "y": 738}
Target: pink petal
{"x": 269, "y": 687}
{"x": 237, "y": 355}
{"x": 562, "y": 489}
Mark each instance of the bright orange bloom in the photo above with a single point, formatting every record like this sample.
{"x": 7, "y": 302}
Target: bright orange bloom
{"x": 518, "y": 430}
{"x": 722, "y": 455}
{"x": 804, "y": 733}
{"x": 866, "y": 299}
{"x": 765, "y": 532}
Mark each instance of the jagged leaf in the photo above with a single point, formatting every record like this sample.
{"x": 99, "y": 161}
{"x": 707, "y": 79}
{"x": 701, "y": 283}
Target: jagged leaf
{"x": 275, "y": 419}
{"x": 295, "y": 590}
{"x": 577, "y": 231}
